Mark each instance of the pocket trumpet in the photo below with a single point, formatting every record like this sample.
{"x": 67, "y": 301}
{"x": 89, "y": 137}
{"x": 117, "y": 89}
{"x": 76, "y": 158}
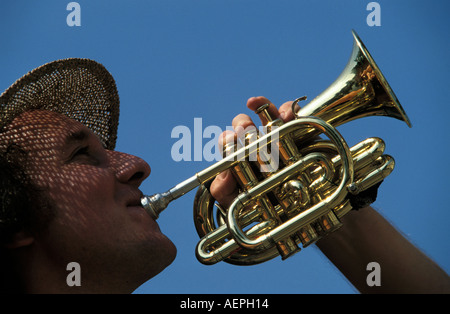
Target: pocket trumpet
{"x": 276, "y": 212}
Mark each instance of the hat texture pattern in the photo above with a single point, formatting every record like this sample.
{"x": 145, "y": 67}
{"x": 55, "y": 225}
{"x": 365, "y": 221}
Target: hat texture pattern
{"x": 80, "y": 89}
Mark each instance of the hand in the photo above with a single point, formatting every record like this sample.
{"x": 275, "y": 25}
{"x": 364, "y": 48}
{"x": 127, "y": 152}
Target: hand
{"x": 224, "y": 187}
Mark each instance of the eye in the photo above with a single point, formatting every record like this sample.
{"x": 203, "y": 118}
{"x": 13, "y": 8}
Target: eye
{"x": 83, "y": 151}
{"x": 84, "y": 155}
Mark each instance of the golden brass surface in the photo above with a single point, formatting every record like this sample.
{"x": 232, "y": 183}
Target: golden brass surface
{"x": 303, "y": 196}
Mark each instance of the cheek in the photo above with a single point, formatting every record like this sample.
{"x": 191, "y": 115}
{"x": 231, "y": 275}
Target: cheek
{"x": 89, "y": 185}
{"x": 80, "y": 191}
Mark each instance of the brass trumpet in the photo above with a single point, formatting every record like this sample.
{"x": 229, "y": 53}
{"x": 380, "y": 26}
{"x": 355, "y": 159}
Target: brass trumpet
{"x": 277, "y": 211}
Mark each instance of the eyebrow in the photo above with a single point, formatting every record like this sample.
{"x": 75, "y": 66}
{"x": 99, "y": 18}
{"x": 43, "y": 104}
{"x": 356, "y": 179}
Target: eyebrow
{"x": 77, "y": 136}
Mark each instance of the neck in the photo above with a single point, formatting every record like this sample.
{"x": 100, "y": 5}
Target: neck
{"x": 50, "y": 276}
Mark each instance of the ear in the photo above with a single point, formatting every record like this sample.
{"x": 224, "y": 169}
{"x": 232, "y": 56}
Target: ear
{"x": 19, "y": 239}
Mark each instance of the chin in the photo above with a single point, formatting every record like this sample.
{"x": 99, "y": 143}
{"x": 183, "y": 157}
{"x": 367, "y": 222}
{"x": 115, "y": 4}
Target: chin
{"x": 164, "y": 256}
{"x": 170, "y": 252}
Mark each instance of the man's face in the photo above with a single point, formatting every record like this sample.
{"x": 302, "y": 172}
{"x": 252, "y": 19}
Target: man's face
{"x": 99, "y": 222}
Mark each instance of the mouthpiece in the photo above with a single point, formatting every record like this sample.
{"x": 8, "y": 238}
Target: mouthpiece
{"x": 156, "y": 203}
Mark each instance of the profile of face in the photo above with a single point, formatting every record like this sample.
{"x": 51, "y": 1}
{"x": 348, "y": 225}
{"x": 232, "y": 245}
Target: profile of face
{"x": 95, "y": 195}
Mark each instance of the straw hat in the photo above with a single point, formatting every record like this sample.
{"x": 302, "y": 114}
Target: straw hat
{"x": 80, "y": 89}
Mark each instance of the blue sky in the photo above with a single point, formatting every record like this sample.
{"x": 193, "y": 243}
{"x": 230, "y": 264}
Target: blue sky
{"x": 175, "y": 61}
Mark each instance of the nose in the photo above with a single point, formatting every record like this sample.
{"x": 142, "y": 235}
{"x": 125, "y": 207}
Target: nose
{"x": 129, "y": 169}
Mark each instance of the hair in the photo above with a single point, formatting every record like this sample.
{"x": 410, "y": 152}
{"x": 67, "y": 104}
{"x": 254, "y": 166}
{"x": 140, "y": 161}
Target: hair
{"x": 14, "y": 194}
{"x": 22, "y": 207}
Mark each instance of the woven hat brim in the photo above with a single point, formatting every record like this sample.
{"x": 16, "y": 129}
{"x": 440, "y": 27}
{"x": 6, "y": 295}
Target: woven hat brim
{"x": 80, "y": 89}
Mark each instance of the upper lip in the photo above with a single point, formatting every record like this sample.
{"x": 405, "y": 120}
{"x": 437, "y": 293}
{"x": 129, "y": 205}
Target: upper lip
{"x": 134, "y": 198}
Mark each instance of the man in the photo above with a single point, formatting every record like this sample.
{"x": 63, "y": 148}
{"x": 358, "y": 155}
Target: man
{"x": 68, "y": 197}
{"x": 92, "y": 214}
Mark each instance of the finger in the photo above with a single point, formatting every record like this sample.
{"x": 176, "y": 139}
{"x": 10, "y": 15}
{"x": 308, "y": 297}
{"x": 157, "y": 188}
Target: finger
{"x": 226, "y": 137}
{"x": 242, "y": 123}
{"x": 256, "y": 102}
{"x": 285, "y": 111}
{"x": 242, "y": 120}
{"x": 224, "y": 188}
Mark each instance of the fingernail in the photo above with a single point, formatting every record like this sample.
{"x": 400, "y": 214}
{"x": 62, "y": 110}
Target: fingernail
{"x": 222, "y": 175}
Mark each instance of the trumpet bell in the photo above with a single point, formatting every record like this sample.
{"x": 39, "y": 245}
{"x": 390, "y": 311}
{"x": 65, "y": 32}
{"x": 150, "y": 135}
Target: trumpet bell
{"x": 361, "y": 90}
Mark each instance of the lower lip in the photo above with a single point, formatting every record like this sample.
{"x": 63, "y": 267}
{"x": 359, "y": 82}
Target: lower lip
{"x": 139, "y": 210}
